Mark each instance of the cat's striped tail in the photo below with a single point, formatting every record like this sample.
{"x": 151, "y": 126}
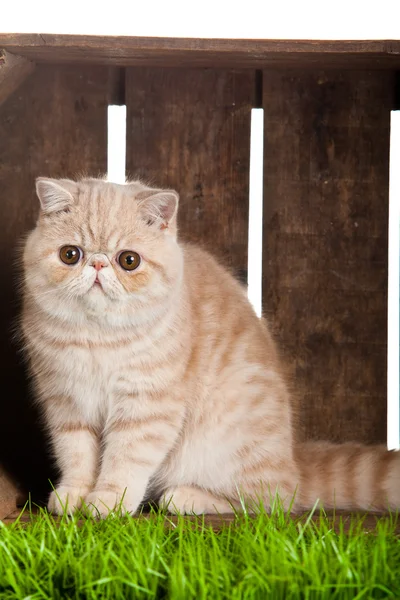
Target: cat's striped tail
{"x": 348, "y": 476}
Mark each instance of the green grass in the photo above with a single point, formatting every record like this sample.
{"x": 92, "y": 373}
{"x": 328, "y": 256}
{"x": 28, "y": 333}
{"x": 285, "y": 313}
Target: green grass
{"x": 252, "y": 558}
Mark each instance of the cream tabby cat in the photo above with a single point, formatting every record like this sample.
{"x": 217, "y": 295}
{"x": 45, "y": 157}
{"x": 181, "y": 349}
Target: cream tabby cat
{"x": 156, "y": 377}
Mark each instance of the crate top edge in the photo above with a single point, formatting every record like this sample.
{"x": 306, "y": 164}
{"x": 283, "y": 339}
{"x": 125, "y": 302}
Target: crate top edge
{"x": 202, "y": 52}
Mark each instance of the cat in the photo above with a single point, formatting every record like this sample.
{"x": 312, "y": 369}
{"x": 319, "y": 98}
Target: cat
{"x": 155, "y": 376}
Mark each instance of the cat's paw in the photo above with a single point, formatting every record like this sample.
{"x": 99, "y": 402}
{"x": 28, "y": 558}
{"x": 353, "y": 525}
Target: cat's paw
{"x": 100, "y": 503}
{"x": 66, "y": 499}
{"x": 187, "y": 500}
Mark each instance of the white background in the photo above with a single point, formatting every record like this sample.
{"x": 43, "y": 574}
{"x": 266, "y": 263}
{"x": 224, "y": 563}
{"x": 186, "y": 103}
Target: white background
{"x": 291, "y": 19}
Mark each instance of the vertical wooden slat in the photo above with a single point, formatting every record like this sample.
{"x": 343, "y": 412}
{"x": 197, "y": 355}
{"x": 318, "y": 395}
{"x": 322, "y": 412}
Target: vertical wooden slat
{"x": 189, "y": 129}
{"x": 325, "y": 244}
{"x": 54, "y": 125}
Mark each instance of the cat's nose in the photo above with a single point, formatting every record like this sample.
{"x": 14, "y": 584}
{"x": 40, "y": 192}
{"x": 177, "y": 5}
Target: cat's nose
{"x": 98, "y": 263}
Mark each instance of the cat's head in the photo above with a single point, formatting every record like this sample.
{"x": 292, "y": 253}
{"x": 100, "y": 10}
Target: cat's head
{"x": 100, "y": 247}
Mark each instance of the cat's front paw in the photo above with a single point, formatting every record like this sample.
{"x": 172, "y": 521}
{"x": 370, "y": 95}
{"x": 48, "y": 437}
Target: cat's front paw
{"x": 100, "y": 503}
{"x": 66, "y": 499}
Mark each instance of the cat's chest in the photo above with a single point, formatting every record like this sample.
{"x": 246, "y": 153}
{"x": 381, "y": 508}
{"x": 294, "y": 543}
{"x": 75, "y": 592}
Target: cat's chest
{"x": 86, "y": 366}
{"x": 87, "y": 376}
{"x": 87, "y": 358}
{"x": 94, "y": 369}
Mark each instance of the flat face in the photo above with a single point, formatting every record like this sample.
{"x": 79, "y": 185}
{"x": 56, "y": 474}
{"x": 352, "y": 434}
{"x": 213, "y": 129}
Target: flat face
{"x": 100, "y": 250}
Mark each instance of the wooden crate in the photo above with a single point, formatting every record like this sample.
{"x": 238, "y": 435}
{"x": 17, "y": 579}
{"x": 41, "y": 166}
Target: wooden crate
{"x": 327, "y": 110}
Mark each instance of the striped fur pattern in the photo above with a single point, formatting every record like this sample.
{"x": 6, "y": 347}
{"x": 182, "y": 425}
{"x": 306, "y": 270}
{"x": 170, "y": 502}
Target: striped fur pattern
{"x": 162, "y": 382}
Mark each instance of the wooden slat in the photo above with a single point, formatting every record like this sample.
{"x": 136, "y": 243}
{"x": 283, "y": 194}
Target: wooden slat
{"x": 13, "y": 71}
{"x": 188, "y": 52}
{"x": 339, "y": 520}
{"x": 190, "y": 130}
{"x": 55, "y": 125}
{"x": 325, "y": 244}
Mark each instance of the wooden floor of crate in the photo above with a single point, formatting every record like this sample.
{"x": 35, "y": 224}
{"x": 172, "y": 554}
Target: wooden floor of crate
{"x": 219, "y": 521}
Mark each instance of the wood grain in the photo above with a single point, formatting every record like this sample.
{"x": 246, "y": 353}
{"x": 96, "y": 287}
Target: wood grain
{"x": 190, "y": 130}
{"x": 13, "y": 71}
{"x": 325, "y": 244}
{"x": 191, "y": 52}
{"x": 55, "y": 125}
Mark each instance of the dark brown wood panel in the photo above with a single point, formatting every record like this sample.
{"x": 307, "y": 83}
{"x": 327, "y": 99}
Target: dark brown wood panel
{"x": 195, "y": 52}
{"x": 14, "y": 70}
{"x": 54, "y": 125}
{"x": 190, "y": 130}
{"x": 325, "y": 244}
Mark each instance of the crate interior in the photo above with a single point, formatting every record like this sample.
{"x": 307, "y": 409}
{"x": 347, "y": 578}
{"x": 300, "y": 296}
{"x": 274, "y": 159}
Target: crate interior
{"x": 325, "y": 227}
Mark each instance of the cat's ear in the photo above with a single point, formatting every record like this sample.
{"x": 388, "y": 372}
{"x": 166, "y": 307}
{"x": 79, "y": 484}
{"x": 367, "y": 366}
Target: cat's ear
{"x": 55, "y": 195}
{"x": 159, "y": 207}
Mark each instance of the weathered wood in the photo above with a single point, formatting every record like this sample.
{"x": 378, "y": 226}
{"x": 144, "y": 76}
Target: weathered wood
{"x": 190, "y": 52}
{"x": 55, "y": 125}
{"x": 8, "y": 494}
{"x": 325, "y": 244}
{"x": 190, "y": 130}
{"x": 339, "y": 520}
{"x": 13, "y": 71}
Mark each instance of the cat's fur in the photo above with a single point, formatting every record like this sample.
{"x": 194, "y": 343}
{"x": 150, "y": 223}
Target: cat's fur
{"x": 162, "y": 381}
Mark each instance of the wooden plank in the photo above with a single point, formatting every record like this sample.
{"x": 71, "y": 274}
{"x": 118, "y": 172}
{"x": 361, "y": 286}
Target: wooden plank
{"x": 191, "y": 52}
{"x": 13, "y": 71}
{"x": 55, "y": 125}
{"x": 325, "y": 244}
{"x": 190, "y": 130}
{"x": 339, "y": 520}
{"x": 8, "y": 494}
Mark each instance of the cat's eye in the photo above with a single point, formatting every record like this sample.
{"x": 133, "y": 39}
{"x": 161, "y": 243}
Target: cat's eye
{"x": 70, "y": 255}
{"x": 129, "y": 260}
